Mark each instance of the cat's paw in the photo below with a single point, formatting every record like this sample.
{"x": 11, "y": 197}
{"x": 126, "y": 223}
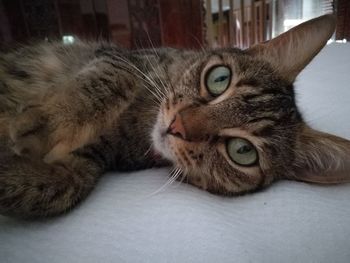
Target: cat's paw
{"x": 29, "y": 132}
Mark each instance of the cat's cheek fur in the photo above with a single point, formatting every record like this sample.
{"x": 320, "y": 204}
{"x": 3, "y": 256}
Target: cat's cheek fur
{"x": 160, "y": 140}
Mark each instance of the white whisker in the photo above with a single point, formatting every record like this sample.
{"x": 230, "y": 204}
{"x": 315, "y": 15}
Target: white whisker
{"x": 174, "y": 174}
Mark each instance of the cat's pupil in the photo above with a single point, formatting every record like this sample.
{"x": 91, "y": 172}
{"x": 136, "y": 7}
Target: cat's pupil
{"x": 244, "y": 149}
{"x": 221, "y": 78}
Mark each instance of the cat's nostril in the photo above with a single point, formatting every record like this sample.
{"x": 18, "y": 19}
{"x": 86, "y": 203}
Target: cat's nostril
{"x": 176, "y": 127}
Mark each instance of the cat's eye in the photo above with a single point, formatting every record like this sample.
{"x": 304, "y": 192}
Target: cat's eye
{"x": 217, "y": 80}
{"x": 241, "y": 152}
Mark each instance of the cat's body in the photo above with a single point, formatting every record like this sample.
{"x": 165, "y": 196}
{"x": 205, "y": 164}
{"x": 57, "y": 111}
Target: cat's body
{"x": 107, "y": 119}
{"x": 97, "y": 85}
{"x": 226, "y": 119}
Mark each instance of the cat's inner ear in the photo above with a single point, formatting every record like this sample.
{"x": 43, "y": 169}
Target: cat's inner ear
{"x": 321, "y": 158}
{"x": 291, "y": 51}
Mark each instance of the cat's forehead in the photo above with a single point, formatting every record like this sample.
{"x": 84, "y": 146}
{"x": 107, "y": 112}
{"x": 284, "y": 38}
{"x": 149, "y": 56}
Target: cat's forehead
{"x": 251, "y": 70}
{"x": 249, "y": 74}
{"x": 256, "y": 97}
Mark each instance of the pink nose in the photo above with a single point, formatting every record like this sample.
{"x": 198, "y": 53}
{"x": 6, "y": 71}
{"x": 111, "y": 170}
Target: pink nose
{"x": 176, "y": 127}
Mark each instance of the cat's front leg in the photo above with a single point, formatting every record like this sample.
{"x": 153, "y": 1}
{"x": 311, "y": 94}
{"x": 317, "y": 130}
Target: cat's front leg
{"x": 29, "y": 132}
{"x": 85, "y": 108}
{"x": 53, "y": 130}
{"x": 47, "y": 132}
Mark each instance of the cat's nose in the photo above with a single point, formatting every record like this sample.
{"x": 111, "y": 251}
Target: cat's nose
{"x": 177, "y": 128}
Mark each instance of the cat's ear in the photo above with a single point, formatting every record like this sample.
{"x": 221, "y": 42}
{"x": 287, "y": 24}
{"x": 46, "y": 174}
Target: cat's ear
{"x": 321, "y": 158}
{"x": 291, "y": 51}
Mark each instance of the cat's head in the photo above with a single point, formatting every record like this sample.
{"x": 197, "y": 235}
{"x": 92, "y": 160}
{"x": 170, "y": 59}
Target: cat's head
{"x": 230, "y": 120}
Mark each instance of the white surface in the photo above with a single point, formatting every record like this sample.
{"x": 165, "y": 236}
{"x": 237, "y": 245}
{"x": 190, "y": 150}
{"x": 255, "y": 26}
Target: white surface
{"x": 288, "y": 222}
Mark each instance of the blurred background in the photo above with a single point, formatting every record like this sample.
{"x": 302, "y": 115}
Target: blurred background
{"x": 176, "y": 23}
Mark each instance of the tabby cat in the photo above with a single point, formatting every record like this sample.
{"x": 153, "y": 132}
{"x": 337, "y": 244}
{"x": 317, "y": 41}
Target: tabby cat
{"x": 226, "y": 119}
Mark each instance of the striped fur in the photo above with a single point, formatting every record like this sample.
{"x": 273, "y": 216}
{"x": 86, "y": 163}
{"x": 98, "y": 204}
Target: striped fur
{"x": 70, "y": 113}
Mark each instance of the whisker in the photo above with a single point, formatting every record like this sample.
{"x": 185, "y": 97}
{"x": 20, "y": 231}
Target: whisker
{"x": 148, "y": 150}
{"x": 174, "y": 174}
{"x": 149, "y": 80}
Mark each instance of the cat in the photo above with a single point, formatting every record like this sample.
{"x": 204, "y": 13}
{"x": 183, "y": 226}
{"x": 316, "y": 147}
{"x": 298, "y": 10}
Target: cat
{"x": 226, "y": 119}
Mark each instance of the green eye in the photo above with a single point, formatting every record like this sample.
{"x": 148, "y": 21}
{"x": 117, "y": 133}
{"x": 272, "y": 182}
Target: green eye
{"x": 242, "y": 152}
{"x": 218, "y": 79}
